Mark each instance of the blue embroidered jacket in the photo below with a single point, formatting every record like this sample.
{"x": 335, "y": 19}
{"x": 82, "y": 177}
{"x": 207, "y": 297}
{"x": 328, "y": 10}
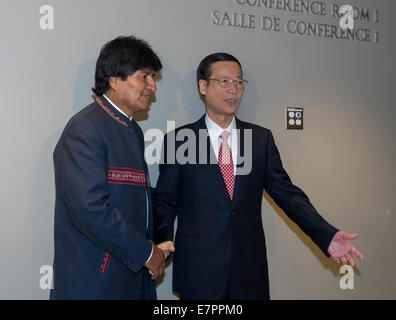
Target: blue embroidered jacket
{"x": 102, "y": 223}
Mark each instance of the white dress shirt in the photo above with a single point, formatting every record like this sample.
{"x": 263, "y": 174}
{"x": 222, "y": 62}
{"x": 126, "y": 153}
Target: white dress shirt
{"x": 118, "y": 109}
{"x": 215, "y": 130}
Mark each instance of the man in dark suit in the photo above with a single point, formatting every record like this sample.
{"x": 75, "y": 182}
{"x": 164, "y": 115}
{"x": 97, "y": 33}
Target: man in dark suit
{"x": 103, "y": 210}
{"x": 220, "y": 243}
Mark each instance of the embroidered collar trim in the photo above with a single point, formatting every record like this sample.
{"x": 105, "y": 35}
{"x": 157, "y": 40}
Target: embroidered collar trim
{"x": 109, "y": 112}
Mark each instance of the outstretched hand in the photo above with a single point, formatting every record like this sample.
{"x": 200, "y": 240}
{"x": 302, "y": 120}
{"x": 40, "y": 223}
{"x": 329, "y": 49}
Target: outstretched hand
{"x": 341, "y": 250}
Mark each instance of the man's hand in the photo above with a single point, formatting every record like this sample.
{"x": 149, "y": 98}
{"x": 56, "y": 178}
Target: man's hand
{"x": 156, "y": 265}
{"x": 167, "y": 247}
{"x": 341, "y": 250}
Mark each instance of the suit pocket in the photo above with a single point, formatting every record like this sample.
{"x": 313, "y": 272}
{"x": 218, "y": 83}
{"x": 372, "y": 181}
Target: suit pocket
{"x": 188, "y": 242}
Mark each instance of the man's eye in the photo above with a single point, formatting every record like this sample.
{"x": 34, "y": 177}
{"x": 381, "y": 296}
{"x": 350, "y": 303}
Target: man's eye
{"x": 225, "y": 81}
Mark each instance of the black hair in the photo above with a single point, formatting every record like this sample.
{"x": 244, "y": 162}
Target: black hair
{"x": 204, "y": 69}
{"x": 122, "y": 57}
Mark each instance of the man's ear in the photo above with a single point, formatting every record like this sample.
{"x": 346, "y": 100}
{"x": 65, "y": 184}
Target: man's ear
{"x": 113, "y": 82}
{"x": 203, "y": 87}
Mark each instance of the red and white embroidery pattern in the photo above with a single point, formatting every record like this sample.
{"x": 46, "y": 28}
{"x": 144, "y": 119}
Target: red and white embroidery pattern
{"x": 109, "y": 112}
{"x": 126, "y": 176}
{"x": 105, "y": 263}
{"x": 226, "y": 164}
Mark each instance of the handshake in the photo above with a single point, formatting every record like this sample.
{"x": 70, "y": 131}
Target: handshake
{"x": 156, "y": 264}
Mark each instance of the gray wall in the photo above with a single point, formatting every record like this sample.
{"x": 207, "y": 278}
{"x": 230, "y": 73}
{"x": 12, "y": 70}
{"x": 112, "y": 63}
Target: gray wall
{"x": 344, "y": 159}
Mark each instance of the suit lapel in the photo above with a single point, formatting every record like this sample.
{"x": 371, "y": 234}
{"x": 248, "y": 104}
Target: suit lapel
{"x": 241, "y": 151}
{"x": 213, "y": 166}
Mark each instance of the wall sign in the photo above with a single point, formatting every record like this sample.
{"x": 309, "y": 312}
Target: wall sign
{"x": 348, "y": 20}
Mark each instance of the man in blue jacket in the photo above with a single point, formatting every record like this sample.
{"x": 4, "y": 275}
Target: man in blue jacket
{"x": 103, "y": 210}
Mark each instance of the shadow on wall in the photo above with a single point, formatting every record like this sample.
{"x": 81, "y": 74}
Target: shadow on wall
{"x": 85, "y": 80}
{"x": 42, "y": 186}
{"x": 251, "y": 101}
{"x": 192, "y": 103}
{"x": 42, "y": 203}
{"x": 327, "y": 263}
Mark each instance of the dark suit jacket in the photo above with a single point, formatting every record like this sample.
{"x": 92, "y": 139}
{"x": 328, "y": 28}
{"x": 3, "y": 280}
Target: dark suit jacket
{"x": 101, "y": 180}
{"x": 212, "y": 229}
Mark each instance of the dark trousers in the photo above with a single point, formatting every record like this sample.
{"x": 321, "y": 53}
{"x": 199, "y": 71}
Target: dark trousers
{"x": 232, "y": 291}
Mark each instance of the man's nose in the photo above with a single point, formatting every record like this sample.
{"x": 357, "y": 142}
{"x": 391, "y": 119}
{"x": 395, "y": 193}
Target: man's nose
{"x": 233, "y": 87}
{"x": 151, "y": 84}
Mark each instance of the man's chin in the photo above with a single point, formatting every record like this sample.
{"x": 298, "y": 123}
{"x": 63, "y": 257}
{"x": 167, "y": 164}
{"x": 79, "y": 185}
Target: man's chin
{"x": 143, "y": 109}
{"x": 230, "y": 110}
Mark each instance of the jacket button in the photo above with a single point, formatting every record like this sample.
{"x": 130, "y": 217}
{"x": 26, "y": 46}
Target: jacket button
{"x": 230, "y": 242}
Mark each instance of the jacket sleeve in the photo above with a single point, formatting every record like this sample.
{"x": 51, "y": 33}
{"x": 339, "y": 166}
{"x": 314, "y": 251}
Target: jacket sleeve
{"x": 166, "y": 196}
{"x": 293, "y": 201}
{"x": 80, "y": 161}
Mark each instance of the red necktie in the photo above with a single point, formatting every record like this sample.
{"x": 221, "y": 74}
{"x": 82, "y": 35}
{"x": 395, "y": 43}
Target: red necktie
{"x": 226, "y": 164}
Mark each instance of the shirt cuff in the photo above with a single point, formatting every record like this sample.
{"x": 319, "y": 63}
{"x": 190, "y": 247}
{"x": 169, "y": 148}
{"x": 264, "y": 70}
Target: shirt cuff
{"x": 152, "y": 250}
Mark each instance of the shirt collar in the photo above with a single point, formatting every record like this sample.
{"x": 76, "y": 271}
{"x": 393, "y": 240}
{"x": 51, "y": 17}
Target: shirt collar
{"x": 215, "y": 129}
{"x": 118, "y": 109}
